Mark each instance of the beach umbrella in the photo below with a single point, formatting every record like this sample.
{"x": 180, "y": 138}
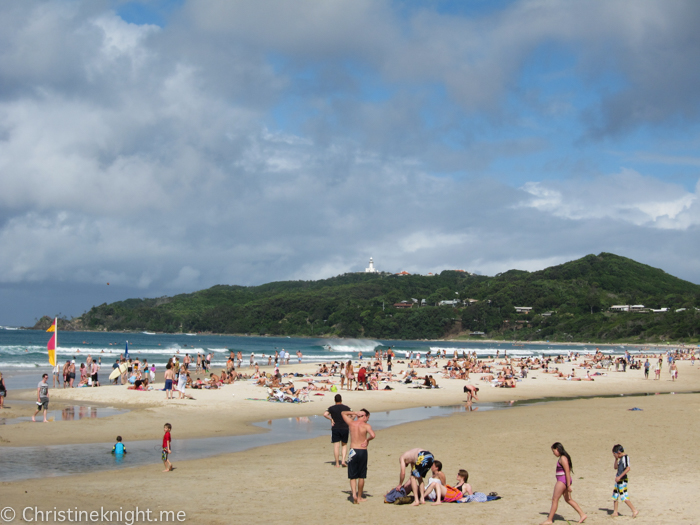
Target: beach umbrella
{"x": 126, "y": 351}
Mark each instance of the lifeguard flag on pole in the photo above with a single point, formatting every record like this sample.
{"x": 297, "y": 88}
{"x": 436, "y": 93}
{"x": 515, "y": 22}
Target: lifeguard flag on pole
{"x": 53, "y": 342}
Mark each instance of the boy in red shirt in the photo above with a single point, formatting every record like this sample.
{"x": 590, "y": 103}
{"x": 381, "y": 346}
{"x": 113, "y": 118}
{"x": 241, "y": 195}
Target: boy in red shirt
{"x": 166, "y": 447}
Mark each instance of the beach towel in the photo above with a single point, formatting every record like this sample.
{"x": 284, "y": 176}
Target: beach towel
{"x": 479, "y": 497}
{"x": 394, "y": 494}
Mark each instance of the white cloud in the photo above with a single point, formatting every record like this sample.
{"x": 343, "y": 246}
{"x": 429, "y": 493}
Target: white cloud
{"x": 625, "y": 196}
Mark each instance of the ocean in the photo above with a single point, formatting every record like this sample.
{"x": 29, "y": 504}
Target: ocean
{"x": 23, "y": 355}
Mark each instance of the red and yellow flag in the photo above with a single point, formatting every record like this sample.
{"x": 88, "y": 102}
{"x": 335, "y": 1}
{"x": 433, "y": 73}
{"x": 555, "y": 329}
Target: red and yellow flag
{"x": 53, "y": 342}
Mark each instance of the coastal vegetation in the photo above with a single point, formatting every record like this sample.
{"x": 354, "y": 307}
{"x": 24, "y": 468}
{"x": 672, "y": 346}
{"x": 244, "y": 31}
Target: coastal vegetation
{"x": 569, "y": 302}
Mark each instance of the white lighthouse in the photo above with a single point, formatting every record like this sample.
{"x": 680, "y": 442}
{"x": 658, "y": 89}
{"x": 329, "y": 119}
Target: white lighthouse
{"x": 371, "y": 268}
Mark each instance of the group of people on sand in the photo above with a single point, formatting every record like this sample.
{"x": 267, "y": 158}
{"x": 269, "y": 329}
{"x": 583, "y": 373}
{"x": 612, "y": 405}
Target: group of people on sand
{"x": 563, "y": 485}
{"x": 352, "y": 427}
{"x": 348, "y": 426}
{"x": 88, "y": 372}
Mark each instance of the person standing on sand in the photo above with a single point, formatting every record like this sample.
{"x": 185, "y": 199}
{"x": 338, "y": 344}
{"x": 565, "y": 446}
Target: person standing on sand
{"x": 361, "y": 434}
{"x": 420, "y": 461}
{"x": 66, "y": 373}
{"x": 3, "y": 392}
{"x": 42, "y": 397}
{"x": 471, "y": 391}
{"x": 94, "y": 374}
{"x": 167, "y": 439}
{"x": 57, "y": 374}
{"x": 563, "y": 485}
{"x": 71, "y": 373}
{"x": 339, "y": 429}
{"x": 169, "y": 376}
{"x": 622, "y": 465}
{"x": 349, "y": 374}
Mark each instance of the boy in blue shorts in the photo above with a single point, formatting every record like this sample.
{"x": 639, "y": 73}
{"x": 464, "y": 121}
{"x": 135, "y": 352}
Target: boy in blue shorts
{"x": 622, "y": 465}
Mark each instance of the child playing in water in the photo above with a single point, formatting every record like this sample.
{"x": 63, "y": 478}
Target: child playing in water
{"x": 119, "y": 449}
{"x": 166, "y": 447}
{"x": 622, "y": 465}
{"x": 563, "y": 485}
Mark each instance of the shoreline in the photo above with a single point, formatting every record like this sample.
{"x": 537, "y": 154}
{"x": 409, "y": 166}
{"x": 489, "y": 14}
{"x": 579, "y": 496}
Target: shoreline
{"x": 457, "y": 338}
{"x": 243, "y": 413}
{"x": 506, "y": 451}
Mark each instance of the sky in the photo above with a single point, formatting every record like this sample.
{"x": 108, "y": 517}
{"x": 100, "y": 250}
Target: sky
{"x": 160, "y": 147}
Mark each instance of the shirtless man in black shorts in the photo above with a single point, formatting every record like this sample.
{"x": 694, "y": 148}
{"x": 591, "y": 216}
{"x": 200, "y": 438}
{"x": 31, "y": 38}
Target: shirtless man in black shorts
{"x": 419, "y": 462}
{"x": 360, "y": 435}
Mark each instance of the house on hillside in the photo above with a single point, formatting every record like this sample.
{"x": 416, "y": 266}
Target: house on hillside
{"x": 629, "y": 308}
{"x": 402, "y": 273}
{"x": 620, "y": 308}
{"x": 403, "y": 304}
{"x": 523, "y": 309}
{"x": 450, "y": 302}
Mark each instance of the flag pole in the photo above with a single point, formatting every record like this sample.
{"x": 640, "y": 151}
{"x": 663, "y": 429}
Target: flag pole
{"x": 53, "y": 342}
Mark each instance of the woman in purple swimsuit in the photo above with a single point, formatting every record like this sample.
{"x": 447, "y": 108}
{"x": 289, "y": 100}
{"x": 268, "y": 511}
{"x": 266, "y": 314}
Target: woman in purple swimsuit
{"x": 563, "y": 485}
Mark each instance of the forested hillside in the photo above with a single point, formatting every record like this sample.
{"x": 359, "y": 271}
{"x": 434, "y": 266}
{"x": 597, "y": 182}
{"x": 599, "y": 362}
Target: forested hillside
{"x": 574, "y": 297}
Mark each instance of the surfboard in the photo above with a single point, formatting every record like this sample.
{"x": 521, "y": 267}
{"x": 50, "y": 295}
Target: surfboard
{"x": 118, "y": 371}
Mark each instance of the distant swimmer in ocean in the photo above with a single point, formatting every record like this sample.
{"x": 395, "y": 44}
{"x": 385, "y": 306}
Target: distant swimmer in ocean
{"x": 562, "y": 487}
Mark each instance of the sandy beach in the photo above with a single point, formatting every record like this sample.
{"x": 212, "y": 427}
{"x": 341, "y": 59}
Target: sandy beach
{"x": 505, "y": 451}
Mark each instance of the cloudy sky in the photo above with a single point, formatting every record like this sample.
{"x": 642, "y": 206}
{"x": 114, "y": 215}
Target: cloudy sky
{"x": 166, "y": 146}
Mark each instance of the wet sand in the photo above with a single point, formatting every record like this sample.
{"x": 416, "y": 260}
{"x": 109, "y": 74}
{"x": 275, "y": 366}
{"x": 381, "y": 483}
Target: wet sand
{"x": 505, "y": 451}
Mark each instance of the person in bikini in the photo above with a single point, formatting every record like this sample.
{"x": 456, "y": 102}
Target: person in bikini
{"x": 446, "y": 493}
{"x": 562, "y": 487}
